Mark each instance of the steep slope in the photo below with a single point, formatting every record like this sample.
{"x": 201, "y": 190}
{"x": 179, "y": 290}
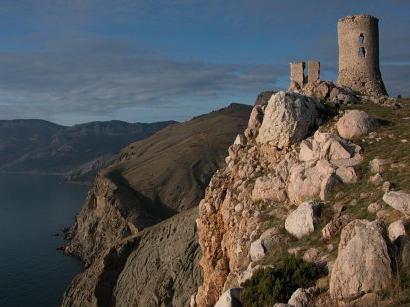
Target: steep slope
{"x": 332, "y": 189}
{"x": 154, "y": 179}
{"x": 43, "y": 147}
{"x": 157, "y": 267}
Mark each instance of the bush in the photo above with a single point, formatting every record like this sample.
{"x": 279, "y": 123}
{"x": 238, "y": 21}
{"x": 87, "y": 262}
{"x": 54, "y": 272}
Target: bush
{"x": 271, "y": 285}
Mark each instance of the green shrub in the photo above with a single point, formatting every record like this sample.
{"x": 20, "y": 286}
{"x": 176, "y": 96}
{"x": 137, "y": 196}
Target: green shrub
{"x": 271, "y": 285}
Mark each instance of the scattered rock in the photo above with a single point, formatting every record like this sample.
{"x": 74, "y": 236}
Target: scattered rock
{"x": 230, "y": 298}
{"x": 398, "y": 200}
{"x": 370, "y": 271}
{"x": 311, "y": 254}
{"x": 333, "y": 227}
{"x": 288, "y": 119}
{"x": 354, "y": 124}
{"x": 301, "y": 298}
{"x": 376, "y": 179}
{"x": 266, "y": 242}
{"x": 374, "y": 207}
{"x": 301, "y": 221}
{"x": 387, "y": 186}
{"x": 378, "y": 165}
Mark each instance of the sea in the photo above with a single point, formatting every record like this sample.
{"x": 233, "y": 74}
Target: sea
{"x": 33, "y": 211}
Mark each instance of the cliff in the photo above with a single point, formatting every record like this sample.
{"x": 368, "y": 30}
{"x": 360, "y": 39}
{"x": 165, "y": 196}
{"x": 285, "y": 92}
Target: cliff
{"x": 330, "y": 188}
{"x": 119, "y": 234}
{"x": 156, "y": 267}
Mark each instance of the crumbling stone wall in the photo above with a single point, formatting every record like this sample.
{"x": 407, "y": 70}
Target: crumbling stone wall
{"x": 313, "y": 71}
{"x": 358, "y": 39}
{"x": 297, "y": 73}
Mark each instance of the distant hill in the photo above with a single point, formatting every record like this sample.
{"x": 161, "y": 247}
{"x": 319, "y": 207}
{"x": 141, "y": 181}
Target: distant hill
{"x": 38, "y": 146}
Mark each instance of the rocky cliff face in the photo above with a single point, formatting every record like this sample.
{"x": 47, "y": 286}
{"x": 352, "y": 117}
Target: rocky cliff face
{"x": 290, "y": 187}
{"x": 136, "y": 260}
{"x": 156, "y": 267}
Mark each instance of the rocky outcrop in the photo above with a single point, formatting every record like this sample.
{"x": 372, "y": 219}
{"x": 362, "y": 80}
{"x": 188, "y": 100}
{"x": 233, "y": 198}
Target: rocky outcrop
{"x": 366, "y": 243}
{"x": 111, "y": 212}
{"x": 238, "y": 199}
{"x": 355, "y": 124}
{"x": 157, "y": 267}
{"x": 288, "y": 119}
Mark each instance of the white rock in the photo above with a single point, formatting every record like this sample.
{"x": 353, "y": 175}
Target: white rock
{"x": 300, "y": 298}
{"x": 398, "y": 200}
{"x": 301, "y": 221}
{"x": 396, "y": 229}
{"x": 230, "y": 298}
{"x": 355, "y": 124}
{"x": 257, "y": 251}
{"x": 288, "y": 119}
{"x": 266, "y": 242}
{"x": 240, "y": 140}
{"x": 363, "y": 264}
{"x": 310, "y": 180}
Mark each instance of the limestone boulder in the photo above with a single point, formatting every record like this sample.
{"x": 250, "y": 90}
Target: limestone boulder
{"x": 288, "y": 119}
{"x": 346, "y": 174}
{"x": 266, "y": 242}
{"x": 398, "y": 200}
{"x": 355, "y": 124}
{"x": 230, "y": 298}
{"x": 311, "y": 180}
{"x": 301, "y": 298}
{"x": 302, "y": 221}
{"x": 365, "y": 243}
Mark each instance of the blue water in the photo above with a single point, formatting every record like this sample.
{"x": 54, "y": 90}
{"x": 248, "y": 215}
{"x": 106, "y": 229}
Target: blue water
{"x": 33, "y": 208}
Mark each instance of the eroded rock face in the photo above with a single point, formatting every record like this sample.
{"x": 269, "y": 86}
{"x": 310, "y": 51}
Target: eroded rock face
{"x": 156, "y": 267}
{"x": 269, "y": 188}
{"x": 288, "y": 119}
{"x": 301, "y": 222}
{"x": 365, "y": 242}
{"x": 398, "y": 200}
{"x": 355, "y": 124}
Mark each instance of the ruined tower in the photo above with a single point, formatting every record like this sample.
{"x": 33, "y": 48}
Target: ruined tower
{"x": 358, "y": 39}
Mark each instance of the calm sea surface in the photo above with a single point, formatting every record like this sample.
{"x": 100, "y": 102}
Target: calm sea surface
{"x": 32, "y": 209}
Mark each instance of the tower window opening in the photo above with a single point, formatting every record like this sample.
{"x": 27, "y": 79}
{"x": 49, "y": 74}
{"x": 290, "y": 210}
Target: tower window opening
{"x": 362, "y": 52}
{"x": 361, "y": 38}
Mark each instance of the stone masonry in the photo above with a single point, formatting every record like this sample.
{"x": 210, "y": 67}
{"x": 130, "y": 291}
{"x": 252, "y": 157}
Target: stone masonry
{"x": 358, "y": 39}
{"x": 313, "y": 71}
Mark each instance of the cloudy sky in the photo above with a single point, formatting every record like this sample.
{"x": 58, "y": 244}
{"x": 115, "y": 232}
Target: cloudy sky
{"x": 71, "y": 61}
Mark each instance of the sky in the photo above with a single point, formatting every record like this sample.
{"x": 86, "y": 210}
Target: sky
{"x": 73, "y": 61}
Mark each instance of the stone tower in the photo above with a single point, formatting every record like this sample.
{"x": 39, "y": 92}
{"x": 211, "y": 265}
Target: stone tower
{"x": 358, "y": 39}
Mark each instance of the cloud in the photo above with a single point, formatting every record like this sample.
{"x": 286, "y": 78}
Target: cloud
{"x": 99, "y": 77}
